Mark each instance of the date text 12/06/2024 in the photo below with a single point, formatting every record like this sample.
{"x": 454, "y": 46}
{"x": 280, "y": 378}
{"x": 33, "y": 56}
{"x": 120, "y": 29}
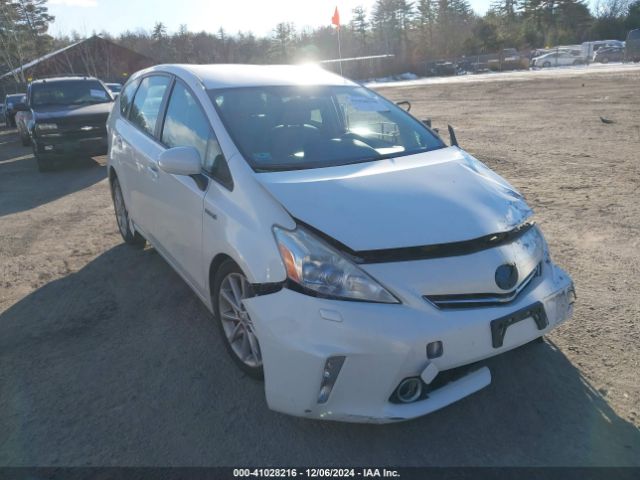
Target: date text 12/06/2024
{"x": 315, "y": 473}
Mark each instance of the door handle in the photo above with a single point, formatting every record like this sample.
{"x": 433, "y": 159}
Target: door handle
{"x": 153, "y": 170}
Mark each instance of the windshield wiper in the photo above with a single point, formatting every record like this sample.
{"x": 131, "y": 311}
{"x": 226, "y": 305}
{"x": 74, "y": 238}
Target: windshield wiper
{"x": 89, "y": 102}
{"x": 283, "y": 167}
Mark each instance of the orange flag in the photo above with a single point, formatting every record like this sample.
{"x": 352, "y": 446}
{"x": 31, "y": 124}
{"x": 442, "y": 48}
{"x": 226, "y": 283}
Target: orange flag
{"x": 335, "y": 20}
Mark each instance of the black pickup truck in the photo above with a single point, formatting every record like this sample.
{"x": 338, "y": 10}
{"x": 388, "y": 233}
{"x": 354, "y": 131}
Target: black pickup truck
{"x": 68, "y": 117}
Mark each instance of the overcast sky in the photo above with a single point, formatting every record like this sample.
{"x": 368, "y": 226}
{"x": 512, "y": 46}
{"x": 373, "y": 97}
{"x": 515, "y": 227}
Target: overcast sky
{"x": 258, "y": 16}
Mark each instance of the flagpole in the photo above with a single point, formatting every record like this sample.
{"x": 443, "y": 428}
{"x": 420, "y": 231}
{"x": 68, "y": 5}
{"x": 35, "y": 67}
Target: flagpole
{"x": 339, "y": 51}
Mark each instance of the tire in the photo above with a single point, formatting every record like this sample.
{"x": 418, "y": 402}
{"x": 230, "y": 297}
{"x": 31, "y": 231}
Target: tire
{"x": 26, "y": 141}
{"x": 546, "y": 64}
{"x": 229, "y": 288}
{"x": 44, "y": 164}
{"x": 122, "y": 217}
{"x": 605, "y": 60}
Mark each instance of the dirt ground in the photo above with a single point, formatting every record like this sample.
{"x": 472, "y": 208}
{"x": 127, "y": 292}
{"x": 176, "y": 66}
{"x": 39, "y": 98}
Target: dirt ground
{"x": 107, "y": 358}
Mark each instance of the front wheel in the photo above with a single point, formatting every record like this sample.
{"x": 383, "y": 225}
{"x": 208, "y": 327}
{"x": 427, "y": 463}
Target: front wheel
{"x": 122, "y": 217}
{"x": 231, "y": 288}
{"x": 546, "y": 64}
{"x": 44, "y": 164}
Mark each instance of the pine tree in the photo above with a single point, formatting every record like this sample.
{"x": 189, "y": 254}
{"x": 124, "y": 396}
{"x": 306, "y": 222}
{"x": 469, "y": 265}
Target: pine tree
{"x": 505, "y": 8}
{"x": 284, "y": 34}
{"x": 359, "y": 26}
{"x": 23, "y": 28}
{"x": 159, "y": 31}
{"x": 426, "y": 19}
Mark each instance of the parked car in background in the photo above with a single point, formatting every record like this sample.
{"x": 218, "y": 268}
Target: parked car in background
{"x": 440, "y": 68}
{"x": 609, "y": 54}
{"x": 632, "y": 46}
{"x": 507, "y": 59}
{"x": 69, "y": 116}
{"x": 348, "y": 255}
{"x": 472, "y": 64}
{"x": 589, "y": 49}
{"x": 114, "y": 88}
{"x": 23, "y": 119}
{"x": 557, "y": 59}
{"x": 12, "y": 103}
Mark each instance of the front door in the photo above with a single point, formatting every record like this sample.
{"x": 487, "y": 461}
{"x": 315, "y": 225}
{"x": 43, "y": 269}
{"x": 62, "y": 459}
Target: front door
{"x": 178, "y": 199}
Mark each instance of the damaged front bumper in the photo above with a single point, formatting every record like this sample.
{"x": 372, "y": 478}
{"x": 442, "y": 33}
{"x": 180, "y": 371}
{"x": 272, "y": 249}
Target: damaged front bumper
{"x": 382, "y": 344}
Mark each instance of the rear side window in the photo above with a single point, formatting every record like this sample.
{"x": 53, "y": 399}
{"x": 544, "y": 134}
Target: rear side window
{"x": 147, "y": 102}
{"x": 126, "y": 96}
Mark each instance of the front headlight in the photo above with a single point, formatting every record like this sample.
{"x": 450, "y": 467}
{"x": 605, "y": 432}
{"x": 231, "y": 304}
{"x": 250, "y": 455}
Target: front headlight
{"x": 46, "y": 127}
{"x": 319, "y": 269}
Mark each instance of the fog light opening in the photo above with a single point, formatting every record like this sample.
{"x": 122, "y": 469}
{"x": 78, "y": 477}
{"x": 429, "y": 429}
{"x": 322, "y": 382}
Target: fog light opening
{"x": 409, "y": 390}
{"x": 332, "y": 368}
{"x": 434, "y": 349}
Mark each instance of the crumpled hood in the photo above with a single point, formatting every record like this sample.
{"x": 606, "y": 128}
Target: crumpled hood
{"x": 72, "y": 112}
{"x": 436, "y": 197}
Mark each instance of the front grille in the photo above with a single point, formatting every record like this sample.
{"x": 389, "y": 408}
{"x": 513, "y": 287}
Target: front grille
{"x": 89, "y": 128}
{"x": 472, "y": 300}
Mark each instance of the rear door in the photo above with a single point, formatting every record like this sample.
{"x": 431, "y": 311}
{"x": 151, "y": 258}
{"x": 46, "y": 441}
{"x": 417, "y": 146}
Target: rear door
{"x": 139, "y": 136}
{"x": 120, "y": 150}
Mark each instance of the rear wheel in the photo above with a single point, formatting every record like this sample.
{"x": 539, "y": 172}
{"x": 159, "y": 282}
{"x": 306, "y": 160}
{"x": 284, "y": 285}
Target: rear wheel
{"x": 122, "y": 217}
{"x": 231, "y": 288}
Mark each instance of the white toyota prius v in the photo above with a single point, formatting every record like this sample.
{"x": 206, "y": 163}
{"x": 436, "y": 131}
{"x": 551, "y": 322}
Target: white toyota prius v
{"x": 350, "y": 258}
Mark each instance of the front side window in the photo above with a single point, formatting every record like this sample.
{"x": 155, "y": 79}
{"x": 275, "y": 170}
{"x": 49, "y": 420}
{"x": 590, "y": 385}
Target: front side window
{"x": 147, "y": 102}
{"x": 290, "y": 127}
{"x": 68, "y": 92}
{"x": 186, "y": 124}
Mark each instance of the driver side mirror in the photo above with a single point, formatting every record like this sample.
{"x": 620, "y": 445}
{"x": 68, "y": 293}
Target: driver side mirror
{"x": 180, "y": 161}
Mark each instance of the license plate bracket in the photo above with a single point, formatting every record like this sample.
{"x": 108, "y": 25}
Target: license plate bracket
{"x": 500, "y": 325}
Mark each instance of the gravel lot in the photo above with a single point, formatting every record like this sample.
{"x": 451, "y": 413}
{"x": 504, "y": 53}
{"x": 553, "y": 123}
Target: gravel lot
{"x": 107, "y": 358}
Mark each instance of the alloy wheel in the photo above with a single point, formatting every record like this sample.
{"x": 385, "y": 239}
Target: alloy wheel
{"x": 121, "y": 210}
{"x": 236, "y": 323}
